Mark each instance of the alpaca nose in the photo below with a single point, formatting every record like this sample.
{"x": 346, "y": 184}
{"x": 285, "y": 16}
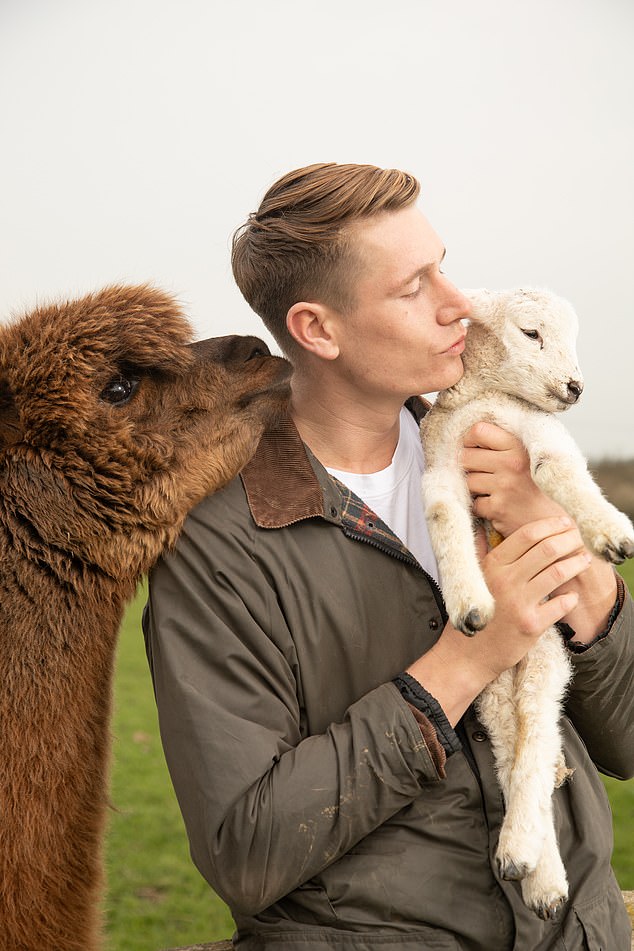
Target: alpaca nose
{"x": 243, "y": 349}
{"x": 232, "y": 350}
{"x": 237, "y": 349}
{"x": 575, "y": 389}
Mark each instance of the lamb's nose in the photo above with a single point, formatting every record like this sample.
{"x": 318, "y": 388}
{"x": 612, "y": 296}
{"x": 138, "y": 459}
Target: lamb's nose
{"x": 575, "y": 389}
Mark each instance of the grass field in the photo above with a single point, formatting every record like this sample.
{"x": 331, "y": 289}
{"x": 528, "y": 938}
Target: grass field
{"x": 156, "y": 899}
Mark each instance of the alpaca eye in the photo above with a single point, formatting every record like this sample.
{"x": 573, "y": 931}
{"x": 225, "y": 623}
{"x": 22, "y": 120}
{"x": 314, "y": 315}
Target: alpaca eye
{"x": 119, "y": 390}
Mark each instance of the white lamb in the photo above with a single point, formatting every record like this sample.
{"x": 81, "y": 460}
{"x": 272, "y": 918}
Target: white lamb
{"x": 520, "y": 366}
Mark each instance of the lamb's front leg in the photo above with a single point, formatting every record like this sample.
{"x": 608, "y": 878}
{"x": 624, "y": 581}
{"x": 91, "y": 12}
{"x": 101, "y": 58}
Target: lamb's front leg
{"x": 540, "y": 683}
{"x": 448, "y": 512}
{"x": 559, "y": 469}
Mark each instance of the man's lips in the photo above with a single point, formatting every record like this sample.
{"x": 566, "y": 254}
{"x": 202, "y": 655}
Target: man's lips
{"x": 458, "y": 346}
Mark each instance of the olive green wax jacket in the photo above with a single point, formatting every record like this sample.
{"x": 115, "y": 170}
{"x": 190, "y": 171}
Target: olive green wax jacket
{"x": 317, "y": 803}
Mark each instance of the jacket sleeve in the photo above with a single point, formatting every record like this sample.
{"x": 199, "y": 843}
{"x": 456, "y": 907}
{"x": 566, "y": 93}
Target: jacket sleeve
{"x": 601, "y": 699}
{"x": 265, "y": 807}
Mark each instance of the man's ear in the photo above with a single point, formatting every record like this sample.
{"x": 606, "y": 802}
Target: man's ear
{"x": 314, "y": 328}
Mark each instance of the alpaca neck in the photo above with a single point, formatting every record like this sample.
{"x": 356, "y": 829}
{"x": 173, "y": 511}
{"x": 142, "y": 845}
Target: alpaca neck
{"x": 57, "y": 649}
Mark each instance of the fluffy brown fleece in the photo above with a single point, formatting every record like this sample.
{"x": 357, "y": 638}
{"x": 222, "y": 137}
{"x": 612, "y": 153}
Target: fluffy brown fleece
{"x": 112, "y": 426}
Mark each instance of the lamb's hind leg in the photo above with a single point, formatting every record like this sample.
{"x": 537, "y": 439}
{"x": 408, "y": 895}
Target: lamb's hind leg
{"x": 546, "y": 888}
{"x": 448, "y": 511}
{"x": 527, "y": 840}
{"x": 496, "y": 711}
{"x": 520, "y": 840}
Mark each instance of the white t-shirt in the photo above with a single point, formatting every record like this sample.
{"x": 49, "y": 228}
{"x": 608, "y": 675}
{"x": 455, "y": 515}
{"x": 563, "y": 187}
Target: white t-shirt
{"x": 395, "y": 495}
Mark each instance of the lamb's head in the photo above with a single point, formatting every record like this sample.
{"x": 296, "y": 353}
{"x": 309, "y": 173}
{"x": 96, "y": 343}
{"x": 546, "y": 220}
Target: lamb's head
{"x": 113, "y": 424}
{"x": 523, "y": 342}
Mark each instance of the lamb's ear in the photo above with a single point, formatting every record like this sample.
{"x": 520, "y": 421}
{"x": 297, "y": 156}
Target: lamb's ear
{"x": 10, "y": 425}
{"x": 482, "y": 302}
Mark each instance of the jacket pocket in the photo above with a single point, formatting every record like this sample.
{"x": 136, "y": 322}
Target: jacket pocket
{"x": 600, "y": 925}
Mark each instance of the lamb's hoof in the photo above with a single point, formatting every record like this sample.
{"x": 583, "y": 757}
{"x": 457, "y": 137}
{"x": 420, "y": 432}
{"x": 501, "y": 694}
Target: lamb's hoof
{"x": 618, "y": 551}
{"x": 548, "y": 910}
{"x": 470, "y": 608}
{"x": 471, "y": 623}
{"x": 546, "y": 889}
{"x": 512, "y": 871}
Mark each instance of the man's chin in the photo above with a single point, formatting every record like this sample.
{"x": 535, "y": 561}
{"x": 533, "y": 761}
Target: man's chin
{"x": 453, "y": 371}
{"x": 452, "y": 375}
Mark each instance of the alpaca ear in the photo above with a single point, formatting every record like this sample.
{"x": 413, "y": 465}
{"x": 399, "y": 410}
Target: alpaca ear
{"x": 10, "y": 426}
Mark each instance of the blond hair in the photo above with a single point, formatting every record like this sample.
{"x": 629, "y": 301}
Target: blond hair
{"x": 297, "y": 245}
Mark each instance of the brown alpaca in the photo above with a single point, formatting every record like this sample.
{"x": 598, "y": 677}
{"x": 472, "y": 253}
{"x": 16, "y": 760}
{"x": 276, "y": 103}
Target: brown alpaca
{"x": 112, "y": 426}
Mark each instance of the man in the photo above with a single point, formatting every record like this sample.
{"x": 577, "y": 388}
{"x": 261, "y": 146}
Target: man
{"x": 315, "y": 705}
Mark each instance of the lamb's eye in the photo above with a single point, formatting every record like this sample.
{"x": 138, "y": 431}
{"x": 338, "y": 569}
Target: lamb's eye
{"x": 119, "y": 390}
{"x": 534, "y": 335}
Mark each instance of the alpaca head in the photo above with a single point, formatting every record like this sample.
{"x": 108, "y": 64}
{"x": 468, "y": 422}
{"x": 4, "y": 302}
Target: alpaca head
{"x": 523, "y": 342}
{"x": 113, "y": 424}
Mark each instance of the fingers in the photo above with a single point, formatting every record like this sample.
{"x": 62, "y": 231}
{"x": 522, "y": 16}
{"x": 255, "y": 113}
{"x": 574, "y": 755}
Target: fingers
{"x": 480, "y": 483}
{"x": 557, "y": 574}
{"x": 489, "y": 449}
{"x": 542, "y": 556}
{"x": 489, "y": 436}
{"x": 547, "y": 539}
{"x": 529, "y": 507}
{"x": 554, "y": 609}
{"x": 503, "y": 489}
{"x": 478, "y": 460}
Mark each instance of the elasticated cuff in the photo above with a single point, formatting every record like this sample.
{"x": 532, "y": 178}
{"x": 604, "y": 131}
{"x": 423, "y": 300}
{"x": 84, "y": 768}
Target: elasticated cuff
{"x": 569, "y": 634}
{"x": 416, "y": 695}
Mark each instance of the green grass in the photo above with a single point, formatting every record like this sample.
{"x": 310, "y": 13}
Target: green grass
{"x": 627, "y": 570}
{"x": 156, "y": 899}
{"x": 622, "y": 800}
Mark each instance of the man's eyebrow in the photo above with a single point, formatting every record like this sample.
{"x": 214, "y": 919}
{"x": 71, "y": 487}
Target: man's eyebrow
{"x": 422, "y": 270}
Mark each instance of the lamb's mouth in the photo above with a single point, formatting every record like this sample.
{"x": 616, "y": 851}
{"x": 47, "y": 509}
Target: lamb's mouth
{"x": 563, "y": 402}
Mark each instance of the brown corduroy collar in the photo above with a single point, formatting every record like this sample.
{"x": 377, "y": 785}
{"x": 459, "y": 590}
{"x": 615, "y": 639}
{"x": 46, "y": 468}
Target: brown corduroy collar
{"x": 280, "y": 482}
{"x": 284, "y": 483}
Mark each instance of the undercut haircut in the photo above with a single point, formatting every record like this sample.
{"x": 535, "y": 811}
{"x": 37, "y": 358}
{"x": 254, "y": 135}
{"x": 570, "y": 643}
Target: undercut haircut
{"x": 298, "y": 245}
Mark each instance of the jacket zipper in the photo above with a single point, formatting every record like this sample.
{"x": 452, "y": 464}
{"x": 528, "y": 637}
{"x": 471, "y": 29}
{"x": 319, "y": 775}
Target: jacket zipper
{"x": 401, "y": 556}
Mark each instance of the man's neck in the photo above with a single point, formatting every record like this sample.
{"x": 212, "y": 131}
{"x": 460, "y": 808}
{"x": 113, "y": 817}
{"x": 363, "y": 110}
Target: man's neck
{"x": 345, "y": 433}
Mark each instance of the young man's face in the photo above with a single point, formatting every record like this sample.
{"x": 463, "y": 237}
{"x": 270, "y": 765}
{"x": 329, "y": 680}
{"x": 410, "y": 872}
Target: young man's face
{"x": 404, "y": 334}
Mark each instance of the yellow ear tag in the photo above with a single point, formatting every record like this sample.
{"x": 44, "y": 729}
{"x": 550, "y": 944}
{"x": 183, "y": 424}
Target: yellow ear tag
{"x": 493, "y": 537}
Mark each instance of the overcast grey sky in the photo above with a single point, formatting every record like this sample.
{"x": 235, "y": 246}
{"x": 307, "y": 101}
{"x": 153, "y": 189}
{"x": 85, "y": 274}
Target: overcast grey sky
{"x": 138, "y": 134}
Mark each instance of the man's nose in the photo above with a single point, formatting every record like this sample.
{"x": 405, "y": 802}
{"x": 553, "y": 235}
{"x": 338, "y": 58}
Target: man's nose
{"x": 456, "y": 306}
